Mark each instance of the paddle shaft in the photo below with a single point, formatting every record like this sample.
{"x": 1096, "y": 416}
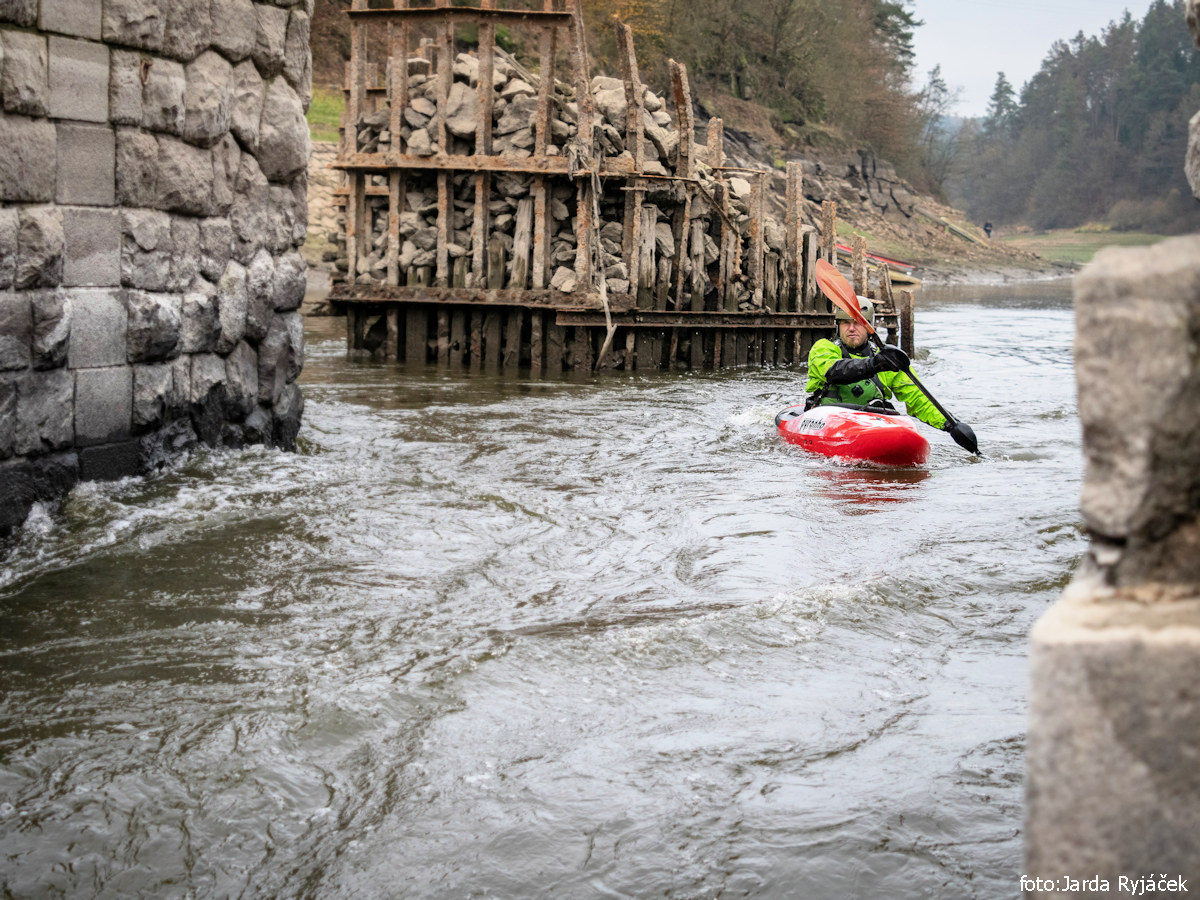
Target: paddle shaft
{"x": 950, "y": 420}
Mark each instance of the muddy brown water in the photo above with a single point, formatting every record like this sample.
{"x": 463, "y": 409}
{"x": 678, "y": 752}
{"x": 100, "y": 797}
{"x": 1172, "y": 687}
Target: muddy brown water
{"x": 488, "y": 636}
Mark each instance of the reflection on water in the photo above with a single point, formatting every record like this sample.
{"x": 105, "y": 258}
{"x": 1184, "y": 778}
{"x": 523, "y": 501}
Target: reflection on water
{"x": 501, "y": 637}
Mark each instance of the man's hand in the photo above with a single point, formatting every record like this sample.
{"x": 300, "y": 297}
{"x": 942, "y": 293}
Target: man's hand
{"x": 891, "y": 359}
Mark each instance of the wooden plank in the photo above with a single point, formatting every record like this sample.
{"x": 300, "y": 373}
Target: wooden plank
{"x": 681, "y": 233}
{"x": 548, "y": 50}
{"x": 444, "y": 62}
{"x": 445, "y": 210}
{"x": 643, "y": 257}
{"x": 582, "y": 71}
{"x": 464, "y": 16}
{"x": 395, "y": 204}
{"x": 716, "y": 143}
{"x": 512, "y": 339}
{"x": 460, "y": 272}
{"x": 555, "y": 340}
{"x": 585, "y": 234}
{"x": 810, "y": 297}
{"x": 646, "y": 360}
{"x": 379, "y": 163}
{"x": 355, "y": 204}
{"x": 391, "y": 346}
{"x": 829, "y": 231}
{"x": 754, "y": 267}
{"x": 522, "y": 242}
{"x": 535, "y": 342}
{"x": 635, "y": 96}
{"x": 458, "y": 336}
{"x": 479, "y": 229}
{"x": 697, "y": 349}
{"x": 583, "y": 349}
{"x": 542, "y": 225}
{"x": 484, "y": 88}
{"x": 631, "y": 233}
{"x": 743, "y": 347}
{"x": 476, "y": 338}
{"x": 904, "y": 307}
{"x": 416, "y": 334}
{"x": 443, "y": 337}
{"x": 491, "y": 339}
{"x": 793, "y": 248}
{"x": 495, "y": 264}
{"x": 681, "y": 92}
{"x": 858, "y": 266}
{"x": 699, "y": 276}
{"x": 673, "y": 348}
{"x": 662, "y": 284}
{"x": 416, "y": 293}
{"x": 649, "y": 318}
{"x": 630, "y": 349}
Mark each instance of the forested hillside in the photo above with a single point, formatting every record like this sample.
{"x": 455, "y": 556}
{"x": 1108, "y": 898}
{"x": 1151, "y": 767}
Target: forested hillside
{"x": 1098, "y": 135}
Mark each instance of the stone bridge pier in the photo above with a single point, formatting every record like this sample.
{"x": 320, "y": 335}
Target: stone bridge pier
{"x": 152, "y": 200}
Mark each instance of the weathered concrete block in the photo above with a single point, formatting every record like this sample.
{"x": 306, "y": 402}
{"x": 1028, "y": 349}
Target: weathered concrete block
{"x": 125, "y": 88}
{"x": 187, "y": 29}
{"x": 9, "y": 228}
{"x": 40, "y": 244}
{"x": 87, "y": 161}
{"x": 156, "y": 396}
{"x": 16, "y": 331}
{"x": 19, "y": 12}
{"x": 99, "y": 323}
{"x": 45, "y": 412}
{"x": 297, "y": 55}
{"x": 216, "y": 247}
{"x": 92, "y": 242}
{"x": 185, "y": 263}
{"x": 201, "y": 327}
{"x": 137, "y": 168}
{"x": 79, "y": 73}
{"x": 80, "y": 18}
{"x": 24, "y": 75}
{"x": 103, "y": 405}
{"x": 260, "y": 286}
{"x": 155, "y": 321}
{"x": 270, "y": 39}
{"x": 133, "y": 23}
{"x": 1112, "y": 704}
{"x": 241, "y": 380}
{"x": 283, "y": 139}
{"x": 165, "y": 85}
{"x": 291, "y": 280}
{"x": 208, "y": 99}
{"x": 1141, "y": 306}
{"x": 51, "y": 329}
{"x": 234, "y": 28}
{"x": 233, "y": 300}
{"x": 184, "y": 177}
{"x": 226, "y": 161}
{"x": 248, "y": 93}
{"x": 146, "y": 249}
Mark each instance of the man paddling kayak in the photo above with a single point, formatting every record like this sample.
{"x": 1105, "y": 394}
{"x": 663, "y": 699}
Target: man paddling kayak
{"x": 848, "y": 369}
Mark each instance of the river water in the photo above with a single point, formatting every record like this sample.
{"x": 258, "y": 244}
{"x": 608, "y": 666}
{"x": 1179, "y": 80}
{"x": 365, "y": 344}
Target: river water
{"x": 487, "y": 636}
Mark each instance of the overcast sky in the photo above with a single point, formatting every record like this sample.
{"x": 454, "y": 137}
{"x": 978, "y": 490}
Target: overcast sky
{"x": 975, "y": 39}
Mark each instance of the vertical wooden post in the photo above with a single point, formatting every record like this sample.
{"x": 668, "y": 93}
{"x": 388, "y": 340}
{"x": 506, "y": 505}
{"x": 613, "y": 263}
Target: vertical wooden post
{"x": 486, "y": 93}
{"x": 416, "y": 334}
{"x": 535, "y": 343}
{"x": 512, "y": 338}
{"x": 685, "y": 167}
{"x": 643, "y": 257}
{"x": 444, "y": 212}
{"x": 541, "y": 232}
{"x": 699, "y": 277}
{"x": 829, "y": 231}
{"x": 716, "y": 143}
{"x": 522, "y": 239}
{"x": 755, "y": 263}
{"x": 810, "y": 299}
{"x": 904, "y": 306}
{"x": 583, "y": 88}
{"x": 443, "y": 337}
{"x": 391, "y": 345}
{"x": 858, "y": 267}
{"x": 793, "y": 248}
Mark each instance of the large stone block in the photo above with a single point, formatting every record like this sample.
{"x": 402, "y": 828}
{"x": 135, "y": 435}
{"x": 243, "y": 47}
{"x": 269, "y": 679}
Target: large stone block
{"x": 270, "y": 39}
{"x": 184, "y": 177}
{"x": 216, "y": 247}
{"x": 19, "y": 12}
{"x": 24, "y": 75}
{"x": 16, "y": 331}
{"x": 260, "y": 286}
{"x": 1112, "y": 788}
{"x": 125, "y": 88}
{"x": 283, "y": 138}
{"x": 51, "y": 329}
{"x": 248, "y": 92}
{"x": 226, "y": 161}
{"x": 234, "y": 28}
{"x": 9, "y": 228}
{"x": 291, "y": 280}
{"x": 25, "y": 147}
{"x": 1140, "y": 308}
{"x": 165, "y": 85}
{"x": 250, "y": 214}
{"x": 157, "y": 397}
{"x": 99, "y": 325}
{"x": 201, "y": 327}
{"x": 103, "y": 405}
{"x": 241, "y": 381}
{"x": 208, "y": 100}
{"x": 280, "y": 357}
{"x": 92, "y": 241}
{"x": 87, "y": 161}
{"x": 137, "y": 168}
{"x": 8, "y": 423}
{"x": 185, "y": 260}
{"x": 40, "y": 243}
{"x": 133, "y": 23}
{"x": 146, "y": 249}
{"x": 79, "y": 73}
{"x": 232, "y": 303}
{"x": 187, "y": 29}
{"x": 80, "y": 18}
{"x": 297, "y": 55}
{"x": 45, "y": 412}
{"x": 154, "y": 326}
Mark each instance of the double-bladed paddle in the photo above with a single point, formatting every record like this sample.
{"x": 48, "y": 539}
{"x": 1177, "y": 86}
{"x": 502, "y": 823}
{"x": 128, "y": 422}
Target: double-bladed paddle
{"x": 834, "y": 285}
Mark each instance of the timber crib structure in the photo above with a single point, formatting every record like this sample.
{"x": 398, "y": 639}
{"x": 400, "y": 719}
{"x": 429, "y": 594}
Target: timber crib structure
{"x": 496, "y": 216}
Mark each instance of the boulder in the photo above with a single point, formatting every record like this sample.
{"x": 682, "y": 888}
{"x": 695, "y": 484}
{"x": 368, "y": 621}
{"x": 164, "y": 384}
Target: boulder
{"x": 207, "y": 99}
{"x": 283, "y": 133}
{"x": 40, "y": 243}
{"x": 155, "y": 322}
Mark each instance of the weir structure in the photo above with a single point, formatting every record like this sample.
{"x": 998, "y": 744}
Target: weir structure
{"x": 499, "y": 216}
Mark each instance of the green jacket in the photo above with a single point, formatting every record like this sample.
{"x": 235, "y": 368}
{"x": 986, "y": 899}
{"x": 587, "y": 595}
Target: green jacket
{"x": 885, "y": 385}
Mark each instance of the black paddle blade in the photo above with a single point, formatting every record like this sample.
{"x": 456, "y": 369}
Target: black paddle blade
{"x": 965, "y": 437}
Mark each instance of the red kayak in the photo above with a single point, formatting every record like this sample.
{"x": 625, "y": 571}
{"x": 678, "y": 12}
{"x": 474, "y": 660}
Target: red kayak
{"x": 885, "y": 437}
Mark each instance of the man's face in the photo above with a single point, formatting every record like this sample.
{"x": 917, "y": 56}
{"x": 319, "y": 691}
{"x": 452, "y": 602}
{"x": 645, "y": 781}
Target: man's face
{"x": 853, "y": 335}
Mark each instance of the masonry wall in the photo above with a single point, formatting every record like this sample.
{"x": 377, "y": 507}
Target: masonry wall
{"x": 152, "y": 200}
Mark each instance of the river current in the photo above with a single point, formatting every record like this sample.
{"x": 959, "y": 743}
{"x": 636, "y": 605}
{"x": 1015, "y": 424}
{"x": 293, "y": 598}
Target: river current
{"x": 493, "y": 637}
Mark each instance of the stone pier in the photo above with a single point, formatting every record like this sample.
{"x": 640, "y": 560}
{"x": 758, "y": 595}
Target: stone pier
{"x": 152, "y": 202}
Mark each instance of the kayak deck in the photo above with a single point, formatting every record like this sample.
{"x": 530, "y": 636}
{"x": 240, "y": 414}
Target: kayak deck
{"x": 854, "y": 433}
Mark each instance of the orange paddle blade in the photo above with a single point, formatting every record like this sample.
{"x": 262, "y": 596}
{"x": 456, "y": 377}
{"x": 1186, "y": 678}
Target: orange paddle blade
{"x": 833, "y": 284}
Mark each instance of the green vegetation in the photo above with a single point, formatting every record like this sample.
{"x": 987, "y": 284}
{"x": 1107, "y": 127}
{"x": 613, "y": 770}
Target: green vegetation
{"x": 325, "y": 114}
{"x": 1079, "y": 245}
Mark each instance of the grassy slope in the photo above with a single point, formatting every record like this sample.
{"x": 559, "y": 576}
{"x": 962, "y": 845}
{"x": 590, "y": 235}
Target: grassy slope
{"x": 325, "y": 114}
{"x": 1078, "y": 246}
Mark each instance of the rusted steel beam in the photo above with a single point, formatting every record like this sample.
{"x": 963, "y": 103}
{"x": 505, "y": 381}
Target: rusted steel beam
{"x": 463, "y": 15}
{"x": 534, "y": 165}
{"x": 547, "y": 299}
{"x": 650, "y": 318}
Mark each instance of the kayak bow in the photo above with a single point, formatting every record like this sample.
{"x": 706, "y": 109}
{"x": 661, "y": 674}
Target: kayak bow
{"x": 886, "y": 438}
